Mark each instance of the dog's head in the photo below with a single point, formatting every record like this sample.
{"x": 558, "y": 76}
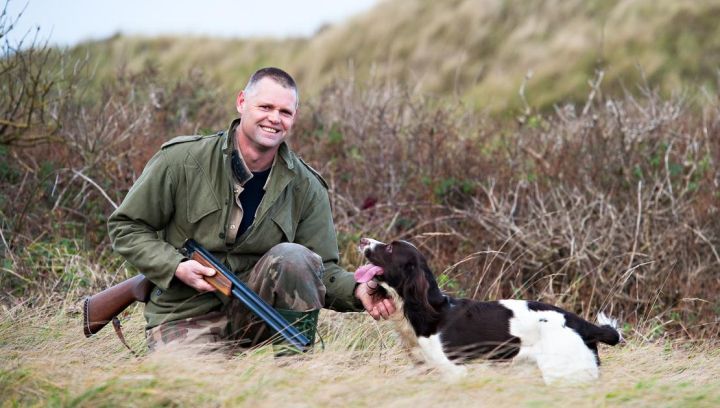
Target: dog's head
{"x": 404, "y": 269}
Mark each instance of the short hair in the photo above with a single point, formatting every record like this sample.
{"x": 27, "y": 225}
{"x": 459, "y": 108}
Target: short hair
{"x": 277, "y": 75}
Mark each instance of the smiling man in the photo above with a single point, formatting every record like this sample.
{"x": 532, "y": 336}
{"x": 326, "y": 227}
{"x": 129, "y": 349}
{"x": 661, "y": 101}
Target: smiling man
{"x": 248, "y": 199}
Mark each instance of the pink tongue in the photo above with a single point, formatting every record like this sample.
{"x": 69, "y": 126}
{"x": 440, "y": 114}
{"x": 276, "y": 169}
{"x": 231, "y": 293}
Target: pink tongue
{"x": 365, "y": 273}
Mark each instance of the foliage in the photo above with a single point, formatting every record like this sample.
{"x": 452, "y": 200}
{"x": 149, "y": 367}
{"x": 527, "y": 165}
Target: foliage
{"x": 608, "y": 204}
{"x": 612, "y": 206}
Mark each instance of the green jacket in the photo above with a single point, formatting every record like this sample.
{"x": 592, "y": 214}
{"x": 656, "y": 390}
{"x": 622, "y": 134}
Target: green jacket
{"x": 187, "y": 191}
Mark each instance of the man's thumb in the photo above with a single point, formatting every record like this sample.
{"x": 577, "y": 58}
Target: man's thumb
{"x": 208, "y": 271}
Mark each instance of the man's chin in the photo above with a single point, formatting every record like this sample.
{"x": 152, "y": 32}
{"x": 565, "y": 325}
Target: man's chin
{"x": 268, "y": 144}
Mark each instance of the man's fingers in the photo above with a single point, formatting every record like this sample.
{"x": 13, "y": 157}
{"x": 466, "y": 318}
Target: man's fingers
{"x": 367, "y": 301}
{"x": 382, "y": 310}
{"x": 377, "y": 308}
{"x": 202, "y": 286}
{"x": 208, "y": 271}
{"x": 390, "y": 306}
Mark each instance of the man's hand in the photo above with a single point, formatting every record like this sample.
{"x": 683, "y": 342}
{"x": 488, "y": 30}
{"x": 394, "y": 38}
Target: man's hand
{"x": 376, "y": 306}
{"x": 192, "y": 272}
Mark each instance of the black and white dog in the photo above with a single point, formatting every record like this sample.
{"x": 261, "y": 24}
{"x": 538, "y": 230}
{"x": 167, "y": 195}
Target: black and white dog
{"x": 442, "y": 331}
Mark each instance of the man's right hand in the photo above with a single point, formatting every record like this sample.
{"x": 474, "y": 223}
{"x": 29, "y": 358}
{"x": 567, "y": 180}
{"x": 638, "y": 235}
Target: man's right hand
{"x": 192, "y": 272}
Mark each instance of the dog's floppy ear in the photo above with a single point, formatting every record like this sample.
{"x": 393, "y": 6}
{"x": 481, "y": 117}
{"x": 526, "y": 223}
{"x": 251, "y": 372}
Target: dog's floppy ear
{"x": 416, "y": 287}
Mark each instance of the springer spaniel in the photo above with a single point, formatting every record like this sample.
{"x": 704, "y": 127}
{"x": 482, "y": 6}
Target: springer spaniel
{"x": 442, "y": 331}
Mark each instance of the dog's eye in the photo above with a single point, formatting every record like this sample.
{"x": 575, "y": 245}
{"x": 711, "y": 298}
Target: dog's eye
{"x": 388, "y": 249}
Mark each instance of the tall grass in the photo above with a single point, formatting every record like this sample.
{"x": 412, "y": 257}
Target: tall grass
{"x": 45, "y": 361}
{"x": 611, "y": 205}
{"x": 476, "y": 50}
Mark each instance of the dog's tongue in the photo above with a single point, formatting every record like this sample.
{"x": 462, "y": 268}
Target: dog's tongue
{"x": 365, "y": 273}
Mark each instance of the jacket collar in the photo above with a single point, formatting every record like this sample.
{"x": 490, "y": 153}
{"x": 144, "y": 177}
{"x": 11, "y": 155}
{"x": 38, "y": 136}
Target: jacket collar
{"x": 281, "y": 173}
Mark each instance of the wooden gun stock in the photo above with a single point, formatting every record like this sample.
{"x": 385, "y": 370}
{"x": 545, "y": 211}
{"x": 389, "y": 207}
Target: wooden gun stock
{"x": 100, "y": 309}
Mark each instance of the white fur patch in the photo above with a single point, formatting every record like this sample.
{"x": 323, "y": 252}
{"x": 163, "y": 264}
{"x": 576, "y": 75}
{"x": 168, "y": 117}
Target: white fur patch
{"x": 371, "y": 245}
{"x": 427, "y": 350}
{"x": 605, "y": 320}
{"x": 435, "y": 356}
{"x": 561, "y": 355}
{"x": 558, "y": 350}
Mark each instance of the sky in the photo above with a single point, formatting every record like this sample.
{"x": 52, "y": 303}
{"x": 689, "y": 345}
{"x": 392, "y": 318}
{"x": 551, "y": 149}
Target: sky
{"x": 65, "y": 23}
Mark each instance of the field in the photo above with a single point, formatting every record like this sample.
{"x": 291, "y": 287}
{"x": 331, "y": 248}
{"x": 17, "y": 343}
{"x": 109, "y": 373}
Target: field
{"x": 46, "y": 361}
{"x": 596, "y": 189}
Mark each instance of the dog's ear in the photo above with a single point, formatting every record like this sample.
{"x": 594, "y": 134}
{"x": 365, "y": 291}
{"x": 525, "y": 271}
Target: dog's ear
{"x": 416, "y": 287}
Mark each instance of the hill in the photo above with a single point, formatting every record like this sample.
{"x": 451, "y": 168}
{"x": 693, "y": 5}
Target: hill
{"x": 478, "y": 50}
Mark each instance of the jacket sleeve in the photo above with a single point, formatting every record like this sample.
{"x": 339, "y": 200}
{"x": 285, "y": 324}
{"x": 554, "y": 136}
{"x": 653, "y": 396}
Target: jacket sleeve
{"x": 316, "y": 231}
{"x": 146, "y": 210}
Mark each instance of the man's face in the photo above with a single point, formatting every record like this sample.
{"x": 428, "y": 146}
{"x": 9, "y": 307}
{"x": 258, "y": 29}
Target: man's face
{"x": 268, "y": 113}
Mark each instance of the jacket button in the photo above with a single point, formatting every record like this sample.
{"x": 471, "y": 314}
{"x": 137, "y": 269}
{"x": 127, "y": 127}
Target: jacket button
{"x": 222, "y": 235}
{"x": 232, "y": 226}
{"x": 332, "y": 279}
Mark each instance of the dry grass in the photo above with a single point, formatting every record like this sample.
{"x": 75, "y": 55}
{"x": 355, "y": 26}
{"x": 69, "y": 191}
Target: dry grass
{"x": 611, "y": 205}
{"x": 478, "y": 50}
{"x": 45, "y": 360}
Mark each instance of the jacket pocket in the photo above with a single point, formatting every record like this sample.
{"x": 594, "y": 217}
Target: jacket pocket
{"x": 284, "y": 221}
{"x": 200, "y": 198}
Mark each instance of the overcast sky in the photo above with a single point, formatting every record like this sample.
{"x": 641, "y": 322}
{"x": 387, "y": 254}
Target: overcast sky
{"x": 69, "y": 22}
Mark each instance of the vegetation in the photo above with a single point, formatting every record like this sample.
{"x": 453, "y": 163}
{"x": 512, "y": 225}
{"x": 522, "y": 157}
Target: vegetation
{"x": 45, "y": 361}
{"x": 608, "y": 202}
{"x": 478, "y": 51}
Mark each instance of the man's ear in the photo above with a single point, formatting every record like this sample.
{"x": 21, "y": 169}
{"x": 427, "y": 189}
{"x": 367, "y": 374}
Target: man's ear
{"x": 240, "y": 102}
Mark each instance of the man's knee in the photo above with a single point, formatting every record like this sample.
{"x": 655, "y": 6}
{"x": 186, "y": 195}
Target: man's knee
{"x": 293, "y": 259}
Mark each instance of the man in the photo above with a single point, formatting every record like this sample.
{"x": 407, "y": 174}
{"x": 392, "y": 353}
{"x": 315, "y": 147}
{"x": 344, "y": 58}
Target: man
{"x": 246, "y": 197}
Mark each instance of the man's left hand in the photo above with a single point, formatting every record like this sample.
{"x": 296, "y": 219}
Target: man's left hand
{"x": 376, "y": 306}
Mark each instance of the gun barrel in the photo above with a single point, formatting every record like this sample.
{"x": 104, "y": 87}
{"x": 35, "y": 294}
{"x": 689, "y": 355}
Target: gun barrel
{"x": 255, "y": 303}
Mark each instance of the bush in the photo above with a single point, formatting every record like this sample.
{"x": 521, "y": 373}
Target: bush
{"x": 613, "y": 208}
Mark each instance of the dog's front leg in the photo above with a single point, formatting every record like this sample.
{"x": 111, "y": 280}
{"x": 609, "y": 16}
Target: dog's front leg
{"x": 435, "y": 356}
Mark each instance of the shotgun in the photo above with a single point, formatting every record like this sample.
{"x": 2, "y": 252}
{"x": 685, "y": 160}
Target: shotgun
{"x": 100, "y": 309}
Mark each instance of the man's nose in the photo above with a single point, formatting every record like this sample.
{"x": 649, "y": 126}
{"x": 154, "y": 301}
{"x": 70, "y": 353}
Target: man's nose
{"x": 274, "y": 116}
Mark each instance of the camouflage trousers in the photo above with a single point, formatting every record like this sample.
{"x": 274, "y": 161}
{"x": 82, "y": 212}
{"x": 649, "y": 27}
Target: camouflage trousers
{"x": 289, "y": 276}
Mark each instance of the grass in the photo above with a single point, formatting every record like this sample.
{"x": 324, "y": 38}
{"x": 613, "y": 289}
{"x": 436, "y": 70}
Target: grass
{"x": 46, "y": 361}
{"x": 478, "y": 50}
{"x": 608, "y": 204}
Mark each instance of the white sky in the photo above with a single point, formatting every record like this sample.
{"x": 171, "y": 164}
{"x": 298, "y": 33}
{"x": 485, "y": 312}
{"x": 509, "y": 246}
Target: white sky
{"x": 71, "y": 21}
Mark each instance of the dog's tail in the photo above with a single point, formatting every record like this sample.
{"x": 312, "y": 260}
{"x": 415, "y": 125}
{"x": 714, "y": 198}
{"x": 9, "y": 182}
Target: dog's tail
{"x": 609, "y": 330}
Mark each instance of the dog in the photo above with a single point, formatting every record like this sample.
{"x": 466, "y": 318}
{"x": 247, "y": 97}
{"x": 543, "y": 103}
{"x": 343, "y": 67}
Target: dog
{"x": 443, "y": 331}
